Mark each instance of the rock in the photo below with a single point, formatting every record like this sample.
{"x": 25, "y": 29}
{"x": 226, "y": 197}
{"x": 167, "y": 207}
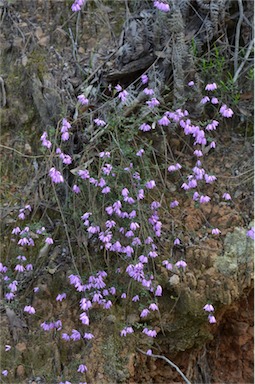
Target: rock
{"x": 20, "y": 371}
{"x": 174, "y": 280}
{"x": 21, "y": 347}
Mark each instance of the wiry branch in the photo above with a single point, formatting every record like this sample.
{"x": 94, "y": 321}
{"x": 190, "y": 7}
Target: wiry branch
{"x": 169, "y": 362}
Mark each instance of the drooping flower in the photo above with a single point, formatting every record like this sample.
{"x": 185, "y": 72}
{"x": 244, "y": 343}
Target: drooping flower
{"x": 140, "y": 153}
{"x": 177, "y": 241}
{"x": 214, "y": 100}
{"x": 211, "y": 319}
{"x": 61, "y": 296}
{"x": 144, "y": 312}
{"x": 88, "y": 336}
{"x": 83, "y": 100}
{"x": 250, "y": 233}
{"x": 204, "y": 100}
{"x": 145, "y": 127}
{"x": 181, "y": 264}
{"x": 148, "y": 91}
{"x": 75, "y": 335}
{"x": 144, "y": 79}
{"x": 208, "y": 308}
{"x": 211, "y": 87}
{"x": 174, "y": 204}
{"x": 149, "y": 352}
{"x": 191, "y": 83}
{"x": 225, "y": 111}
{"x": 204, "y": 199}
{"x": 153, "y": 307}
{"x": 49, "y": 240}
{"x": 135, "y": 298}
{"x": 226, "y": 196}
{"x": 7, "y": 348}
{"x": 158, "y": 291}
{"x": 55, "y": 176}
{"x": 29, "y": 309}
{"x": 164, "y": 7}
{"x": 150, "y": 184}
{"x": 152, "y": 103}
{"x": 82, "y": 368}
{"x": 99, "y": 122}
{"x": 164, "y": 121}
{"x": 215, "y": 231}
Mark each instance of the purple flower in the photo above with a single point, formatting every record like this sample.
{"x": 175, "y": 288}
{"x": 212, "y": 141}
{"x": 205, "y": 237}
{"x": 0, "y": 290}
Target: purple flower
{"x": 177, "y": 241}
{"x": 75, "y": 335}
{"x": 153, "y": 307}
{"x": 226, "y": 196}
{"x": 55, "y": 176}
{"x": 84, "y": 318}
{"x": 61, "y": 296}
{"x": 99, "y": 123}
{"x": 49, "y": 240}
{"x": 225, "y": 111}
{"x": 149, "y": 352}
{"x": 140, "y": 153}
{"x": 135, "y": 298}
{"x": 211, "y": 319}
{"x": 126, "y": 331}
{"x": 19, "y": 268}
{"x": 144, "y": 312}
{"x": 209, "y": 179}
{"x": 198, "y": 153}
{"x": 214, "y": 100}
{"x": 36, "y": 289}
{"x": 145, "y": 127}
{"x": 204, "y": 100}
{"x": 9, "y": 296}
{"x": 150, "y": 184}
{"x": 250, "y": 233}
{"x": 152, "y": 103}
{"x": 181, "y": 264}
{"x": 82, "y": 368}
{"x": 29, "y": 309}
{"x": 65, "y": 336}
{"x": 106, "y": 190}
{"x": 215, "y": 231}
{"x": 66, "y": 159}
{"x": 88, "y": 336}
{"x": 144, "y": 79}
{"x": 76, "y": 6}
{"x": 211, "y": 87}
{"x": 123, "y": 96}
{"x": 208, "y": 308}
{"x": 85, "y": 304}
{"x": 83, "y": 100}
{"x": 164, "y": 121}
{"x": 123, "y": 296}
{"x": 84, "y": 174}
{"x": 16, "y": 231}
{"x": 148, "y": 91}
{"x": 174, "y": 204}
{"x": 191, "y": 83}
{"x": 65, "y": 136}
{"x": 7, "y": 348}
{"x": 161, "y": 6}
{"x": 118, "y": 88}
{"x": 204, "y": 199}
{"x": 158, "y": 291}
{"x": 105, "y": 154}
{"x": 150, "y": 332}
{"x": 5, "y": 372}
{"x": 76, "y": 189}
